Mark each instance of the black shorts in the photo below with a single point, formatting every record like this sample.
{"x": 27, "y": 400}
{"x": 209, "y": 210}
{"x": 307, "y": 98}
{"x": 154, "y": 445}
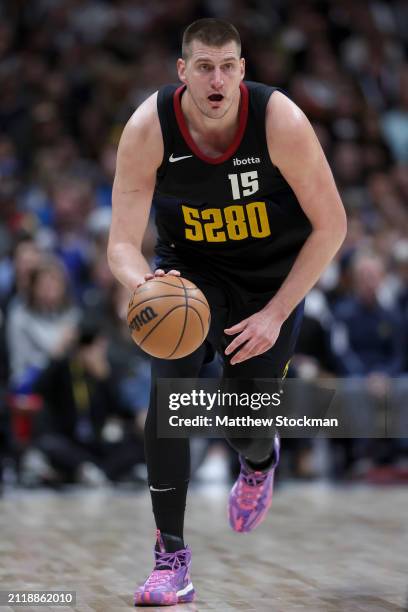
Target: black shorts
{"x": 229, "y": 305}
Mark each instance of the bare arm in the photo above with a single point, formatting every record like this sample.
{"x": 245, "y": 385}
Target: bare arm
{"x": 295, "y": 150}
{"x": 140, "y": 153}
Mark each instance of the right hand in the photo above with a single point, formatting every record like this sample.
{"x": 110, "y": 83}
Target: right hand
{"x": 157, "y": 273}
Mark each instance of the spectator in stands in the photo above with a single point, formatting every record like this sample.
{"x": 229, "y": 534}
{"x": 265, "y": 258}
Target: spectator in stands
{"x": 26, "y": 258}
{"x": 42, "y": 326}
{"x": 130, "y": 365}
{"x": 86, "y": 432}
{"x": 373, "y": 345}
{"x": 400, "y": 289}
{"x": 369, "y": 347}
{"x": 72, "y": 202}
{"x": 395, "y": 121}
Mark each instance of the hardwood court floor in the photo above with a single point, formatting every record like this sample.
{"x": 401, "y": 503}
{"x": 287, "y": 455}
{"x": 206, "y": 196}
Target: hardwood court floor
{"x": 321, "y": 549}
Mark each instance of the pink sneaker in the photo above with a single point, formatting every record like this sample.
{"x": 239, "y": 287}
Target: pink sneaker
{"x": 251, "y": 495}
{"x": 171, "y": 584}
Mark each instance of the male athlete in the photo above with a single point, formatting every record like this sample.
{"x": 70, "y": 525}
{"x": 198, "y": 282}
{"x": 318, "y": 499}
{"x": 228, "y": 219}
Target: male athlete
{"x": 246, "y": 208}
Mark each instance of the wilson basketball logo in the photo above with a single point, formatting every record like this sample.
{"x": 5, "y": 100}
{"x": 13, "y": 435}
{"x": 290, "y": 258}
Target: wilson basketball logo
{"x": 144, "y": 316}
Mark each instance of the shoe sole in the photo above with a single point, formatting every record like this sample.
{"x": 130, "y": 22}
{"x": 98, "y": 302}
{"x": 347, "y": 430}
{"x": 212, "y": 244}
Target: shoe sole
{"x": 186, "y": 595}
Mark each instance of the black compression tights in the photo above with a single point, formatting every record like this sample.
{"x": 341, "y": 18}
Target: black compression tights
{"x": 168, "y": 460}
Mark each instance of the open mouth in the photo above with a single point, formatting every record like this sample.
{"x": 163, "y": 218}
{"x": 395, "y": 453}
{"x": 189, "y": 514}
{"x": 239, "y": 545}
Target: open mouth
{"x": 216, "y": 97}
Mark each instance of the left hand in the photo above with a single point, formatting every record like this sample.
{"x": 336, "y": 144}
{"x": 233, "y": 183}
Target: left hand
{"x": 258, "y": 333}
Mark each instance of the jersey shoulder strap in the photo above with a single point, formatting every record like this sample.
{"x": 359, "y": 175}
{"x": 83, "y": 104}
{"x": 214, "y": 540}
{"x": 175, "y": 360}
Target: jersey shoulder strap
{"x": 259, "y": 95}
{"x": 165, "y": 111}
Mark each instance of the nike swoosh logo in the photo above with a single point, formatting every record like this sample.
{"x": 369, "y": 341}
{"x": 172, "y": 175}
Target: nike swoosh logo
{"x": 176, "y": 159}
{"x": 162, "y": 490}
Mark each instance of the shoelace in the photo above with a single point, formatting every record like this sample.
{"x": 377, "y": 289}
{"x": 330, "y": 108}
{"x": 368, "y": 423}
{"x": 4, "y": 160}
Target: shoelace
{"x": 171, "y": 560}
{"x": 248, "y": 494}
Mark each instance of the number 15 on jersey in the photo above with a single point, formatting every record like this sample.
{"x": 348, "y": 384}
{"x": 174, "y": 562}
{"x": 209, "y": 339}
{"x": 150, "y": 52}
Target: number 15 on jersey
{"x": 249, "y": 184}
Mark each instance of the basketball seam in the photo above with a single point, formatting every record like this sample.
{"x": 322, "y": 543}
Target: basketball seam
{"x": 163, "y": 282}
{"x": 158, "y": 297}
{"x": 158, "y": 323}
{"x": 201, "y": 322}
{"x": 145, "y": 286}
{"x": 150, "y": 299}
{"x": 185, "y": 320}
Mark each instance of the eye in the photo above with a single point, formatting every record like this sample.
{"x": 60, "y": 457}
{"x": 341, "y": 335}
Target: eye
{"x": 205, "y": 67}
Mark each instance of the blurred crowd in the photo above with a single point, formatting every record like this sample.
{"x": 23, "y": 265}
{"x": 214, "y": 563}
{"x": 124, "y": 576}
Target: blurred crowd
{"x": 73, "y": 387}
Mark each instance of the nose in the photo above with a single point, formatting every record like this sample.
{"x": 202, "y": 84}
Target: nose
{"x": 217, "y": 80}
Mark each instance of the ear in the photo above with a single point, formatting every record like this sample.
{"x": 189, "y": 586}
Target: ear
{"x": 181, "y": 70}
{"x": 242, "y": 67}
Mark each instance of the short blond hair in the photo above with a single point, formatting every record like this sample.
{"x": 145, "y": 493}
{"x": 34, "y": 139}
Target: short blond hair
{"x": 211, "y": 32}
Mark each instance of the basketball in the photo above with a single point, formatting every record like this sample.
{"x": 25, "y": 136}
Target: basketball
{"x": 168, "y": 317}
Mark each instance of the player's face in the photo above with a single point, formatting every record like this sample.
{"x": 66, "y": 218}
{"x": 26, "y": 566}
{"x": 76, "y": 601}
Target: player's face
{"x": 212, "y": 76}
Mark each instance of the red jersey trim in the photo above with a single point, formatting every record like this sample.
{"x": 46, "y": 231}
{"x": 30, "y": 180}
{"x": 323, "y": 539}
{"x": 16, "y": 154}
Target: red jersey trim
{"x": 242, "y": 122}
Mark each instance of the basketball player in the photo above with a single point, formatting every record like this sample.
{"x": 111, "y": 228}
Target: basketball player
{"x": 246, "y": 208}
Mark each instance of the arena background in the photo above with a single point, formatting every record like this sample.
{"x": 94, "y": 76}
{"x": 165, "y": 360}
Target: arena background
{"x": 73, "y": 386}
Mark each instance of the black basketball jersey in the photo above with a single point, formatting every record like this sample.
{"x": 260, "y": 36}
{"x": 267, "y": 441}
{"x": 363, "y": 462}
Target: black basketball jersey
{"x": 233, "y": 218}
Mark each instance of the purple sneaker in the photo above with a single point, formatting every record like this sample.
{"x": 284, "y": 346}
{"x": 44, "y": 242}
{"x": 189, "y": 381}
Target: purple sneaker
{"x": 171, "y": 584}
{"x": 251, "y": 495}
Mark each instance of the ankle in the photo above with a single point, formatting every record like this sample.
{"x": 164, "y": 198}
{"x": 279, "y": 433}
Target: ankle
{"x": 264, "y": 465}
{"x": 168, "y": 542}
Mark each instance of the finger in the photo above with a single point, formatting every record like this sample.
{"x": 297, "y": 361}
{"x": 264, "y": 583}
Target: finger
{"x": 244, "y": 337}
{"x": 145, "y": 278}
{"x": 242, "y": 355}
{"x": 247, "y": 352}
{"x": 251, "y": 349}
{"x": 159, "y": 272}
{"x": 174, "y": 272}
{"x": 235, "y": 329}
